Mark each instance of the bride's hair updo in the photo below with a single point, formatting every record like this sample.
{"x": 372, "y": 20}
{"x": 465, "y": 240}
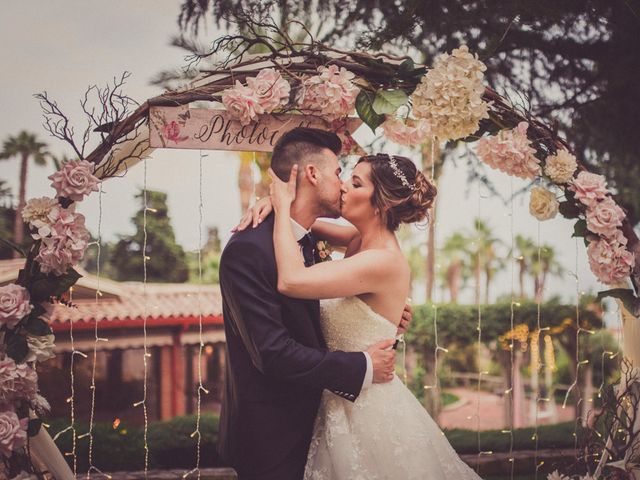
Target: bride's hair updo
{"x": 400, "y": 191}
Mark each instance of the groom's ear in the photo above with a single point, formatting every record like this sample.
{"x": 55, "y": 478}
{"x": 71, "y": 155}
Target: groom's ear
{"x": 311, "y": 173}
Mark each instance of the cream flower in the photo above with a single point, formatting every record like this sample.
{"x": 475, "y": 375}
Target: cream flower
{"x": 449, "y": 96}
{"x": 14, "y": 304}
{"x": 561, "y": 166}
{"x": 511, "y": 152}
{"x": 406, "y": 132}
{"x": 40, "y": 404}
{"x": 38, "y": 209}
{"x": 330, "y": 94}
{"x": 543, "y": 204}
{"x": 40, "y": 347}
{"x": 555, "y": 475}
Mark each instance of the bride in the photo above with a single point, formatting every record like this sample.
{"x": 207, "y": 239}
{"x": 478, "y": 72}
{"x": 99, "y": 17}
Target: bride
{"x": 386, "y": 433}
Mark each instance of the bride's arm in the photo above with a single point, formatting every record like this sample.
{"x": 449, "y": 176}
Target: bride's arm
{"x": 336, "y": 235}
{"x": 364, "y": 272}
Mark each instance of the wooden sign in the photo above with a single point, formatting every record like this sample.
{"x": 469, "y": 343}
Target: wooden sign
{"x": 203, "y": 128}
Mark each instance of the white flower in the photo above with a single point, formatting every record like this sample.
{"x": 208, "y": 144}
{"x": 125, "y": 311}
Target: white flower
{"x": 40, "y": 404}
{"x": 543, "y": 204}
{"x": 40, "y": 347}
{"x": 561, "y": 166}
{"x": 25, "y": 476}
{"x": 38, "y": 209}
{"x": 449, "y": 96}
{"x": 555, "y": 475}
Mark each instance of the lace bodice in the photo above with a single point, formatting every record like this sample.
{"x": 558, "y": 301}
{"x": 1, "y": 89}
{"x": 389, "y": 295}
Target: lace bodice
{"x": 349, "y": 324}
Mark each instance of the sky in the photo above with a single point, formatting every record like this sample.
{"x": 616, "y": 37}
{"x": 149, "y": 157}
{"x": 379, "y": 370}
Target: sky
{"x": 63, "y": 47}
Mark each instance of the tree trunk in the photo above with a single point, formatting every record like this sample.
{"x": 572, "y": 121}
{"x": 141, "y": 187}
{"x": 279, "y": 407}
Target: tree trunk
{"x": 518, "y": 389}
{"x": 521, "y": 278}
{"x": 477, "y": 274}
{"x": 453, "y": 280}
{"x": 18, "y": 229}
{"x": 487, "y": 283}
{"x": 431, "y": 156}
{"x": 587, "y": 383}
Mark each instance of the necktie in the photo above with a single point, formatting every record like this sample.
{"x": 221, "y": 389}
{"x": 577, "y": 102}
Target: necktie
{"x": 308, "y": 246}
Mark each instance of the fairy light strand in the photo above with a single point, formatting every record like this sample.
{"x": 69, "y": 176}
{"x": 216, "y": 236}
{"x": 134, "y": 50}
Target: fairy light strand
{"x": 509, "y": 391}
{"x": 201, "y": 388}
{"x": 97, "y": 339}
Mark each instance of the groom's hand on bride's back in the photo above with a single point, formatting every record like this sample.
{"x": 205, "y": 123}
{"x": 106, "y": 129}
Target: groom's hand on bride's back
{"x": 383, "y": 360}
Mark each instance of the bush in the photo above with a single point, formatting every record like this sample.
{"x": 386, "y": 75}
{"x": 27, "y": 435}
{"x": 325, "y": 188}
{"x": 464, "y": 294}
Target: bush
{"x": 170, "y": 444}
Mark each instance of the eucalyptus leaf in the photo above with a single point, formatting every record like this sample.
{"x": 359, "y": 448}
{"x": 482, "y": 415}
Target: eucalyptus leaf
{"x": 38, "y": 327}
{"x": 13, "y": 246}
{"x": 364, "y": 107}
{"x": 580, "y": 229}
{"x": 388, "y": 101}
{"x": 17, "y": 347}
{"x": 569, "y": 210}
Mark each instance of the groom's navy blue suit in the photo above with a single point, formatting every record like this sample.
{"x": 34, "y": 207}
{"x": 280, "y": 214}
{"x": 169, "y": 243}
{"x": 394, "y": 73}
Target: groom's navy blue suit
{"x": 277, "y": 364}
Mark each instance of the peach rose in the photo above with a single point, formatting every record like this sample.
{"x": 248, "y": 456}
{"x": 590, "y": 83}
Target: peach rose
{"x": 14, "y": 304}
{"x": 75, "y": 180}
{"x": 271, "y": 90}
{"x": 604, "y": 217}
{"x": 13, "y": 432}
{"x": 589, "y": 187}
{"x": 242, "y": 103}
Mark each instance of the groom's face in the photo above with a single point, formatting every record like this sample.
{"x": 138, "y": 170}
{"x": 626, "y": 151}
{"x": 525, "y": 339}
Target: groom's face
{"x": 329, "y": 184}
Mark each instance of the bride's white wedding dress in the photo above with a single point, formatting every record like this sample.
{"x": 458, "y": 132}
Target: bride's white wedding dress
{"x": 386, "y": 433}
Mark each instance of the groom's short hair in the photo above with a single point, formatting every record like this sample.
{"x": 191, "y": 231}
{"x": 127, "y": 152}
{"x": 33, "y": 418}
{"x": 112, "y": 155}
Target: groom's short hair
{"x": 298, "y": 146}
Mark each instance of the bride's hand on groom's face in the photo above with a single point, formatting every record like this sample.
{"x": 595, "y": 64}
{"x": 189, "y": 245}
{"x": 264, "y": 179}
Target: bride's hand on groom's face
{"x": 283, "y": 193}
{"x": 383, "y": 360}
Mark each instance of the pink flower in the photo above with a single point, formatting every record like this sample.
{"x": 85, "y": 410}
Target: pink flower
{"x": 609, "y": 260}
{"x": 271, "y": 90}
{"x": 242, "y": 103}
{"x": 406, "y": 132}
{"x": 604, "y": 217}
{"x": 589, "y": 187}
{"x": 14, "y": 304}
{"x": 13, "y": 432}
{"x": 331, "y": 93}
{"x": 75, "y": 180}
{"x": 64, "y": 240}
{"x": 17, "y": 381}
{"x": 511, "y": 152}
{"x": 171, "y": 132}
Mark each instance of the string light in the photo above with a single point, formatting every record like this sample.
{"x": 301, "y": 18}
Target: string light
{"x": 201, "y": 388}
{"x": 97, "y": 339}
{"x": 511, "y": 322}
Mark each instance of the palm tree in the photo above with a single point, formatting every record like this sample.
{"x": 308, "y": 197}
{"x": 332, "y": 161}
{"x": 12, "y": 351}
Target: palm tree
{"x": 454, "y": 251}
{"x": 24, "y": 146}
{"x": 483, "y": 257}
{"x": 525, "y": 249}
{"x": 542, "y": 267}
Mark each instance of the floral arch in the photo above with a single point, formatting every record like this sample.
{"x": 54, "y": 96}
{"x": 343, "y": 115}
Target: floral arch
{"x": 290, "y": 84}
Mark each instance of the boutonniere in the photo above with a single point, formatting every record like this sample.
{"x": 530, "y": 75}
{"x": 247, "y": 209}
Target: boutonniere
{"x": 323, "y": 251}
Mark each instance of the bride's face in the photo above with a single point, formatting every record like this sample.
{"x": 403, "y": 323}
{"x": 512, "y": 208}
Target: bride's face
{"x": 357, "y": 192}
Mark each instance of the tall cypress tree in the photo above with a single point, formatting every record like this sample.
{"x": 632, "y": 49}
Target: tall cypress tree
{"x": 167, "y": 260}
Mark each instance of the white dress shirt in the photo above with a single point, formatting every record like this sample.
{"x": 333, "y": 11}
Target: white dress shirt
{"x": 298, "y": 232}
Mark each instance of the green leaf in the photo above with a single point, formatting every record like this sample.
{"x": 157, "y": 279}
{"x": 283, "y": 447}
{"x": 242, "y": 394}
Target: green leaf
{"x": 12, "y": 245}
{"x": 38, "y": 327}
{"x": 67, "y": 281}
{"x": 34, "y": 427}
{"x": 569, "y": 210}
{"x": 388, "y": 101}
{"x": 580, "y": 229}
{"x": 17, "y": 347}
{"x": 45, "y": 286}
{"x": 364, "y": 107}
{"x": 407, "y": 67}
{"x": 626, "y": 295}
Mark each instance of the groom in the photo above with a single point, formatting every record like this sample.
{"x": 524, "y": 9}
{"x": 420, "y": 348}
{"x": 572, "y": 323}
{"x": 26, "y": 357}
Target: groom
{"x": 277, "y": 360}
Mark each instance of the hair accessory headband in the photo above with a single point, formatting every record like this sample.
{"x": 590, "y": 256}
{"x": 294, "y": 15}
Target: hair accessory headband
{"x": 399, "y": 174}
